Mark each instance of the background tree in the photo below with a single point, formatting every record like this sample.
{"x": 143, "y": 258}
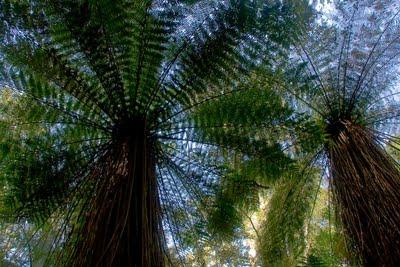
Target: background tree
{"x": 284, "y": 233}
{"x": 326, "y": 241}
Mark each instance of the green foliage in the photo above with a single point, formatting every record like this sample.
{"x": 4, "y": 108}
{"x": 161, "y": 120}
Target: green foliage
{"x": 329, "y": 249}
{"x": 38, "y": 168}
{"x": 313, "y": 261}
{"x": 283, "y": 236}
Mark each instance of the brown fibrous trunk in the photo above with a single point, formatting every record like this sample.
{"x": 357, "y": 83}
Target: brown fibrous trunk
{"x": 122, "y": 226}
{"x": 366, "y": 187}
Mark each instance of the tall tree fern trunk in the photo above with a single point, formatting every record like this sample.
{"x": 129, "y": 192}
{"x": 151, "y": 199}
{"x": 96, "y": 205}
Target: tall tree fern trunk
{"x": 366, "y": 186}
{"x": 123, "y": 227}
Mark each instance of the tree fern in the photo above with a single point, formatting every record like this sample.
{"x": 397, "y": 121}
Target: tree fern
{"x": 115, "y": 158}
{"x": 353, "y": 66}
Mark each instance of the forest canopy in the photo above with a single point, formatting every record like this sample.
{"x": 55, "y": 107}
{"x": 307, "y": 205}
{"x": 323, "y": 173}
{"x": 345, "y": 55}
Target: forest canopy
{"x": 199, "y": 133}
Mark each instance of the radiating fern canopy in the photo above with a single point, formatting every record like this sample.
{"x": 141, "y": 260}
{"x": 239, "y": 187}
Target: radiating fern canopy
{"x": 100, "y": 140}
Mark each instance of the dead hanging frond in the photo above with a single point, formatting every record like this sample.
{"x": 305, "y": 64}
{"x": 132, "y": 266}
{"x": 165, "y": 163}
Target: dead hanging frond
{"x": 366, "y": 182}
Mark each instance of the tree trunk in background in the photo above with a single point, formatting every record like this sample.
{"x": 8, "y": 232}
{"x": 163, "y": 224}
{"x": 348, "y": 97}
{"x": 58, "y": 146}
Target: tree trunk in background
{"x": 123, "y": 227}
{"x": 366, "y": 187}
